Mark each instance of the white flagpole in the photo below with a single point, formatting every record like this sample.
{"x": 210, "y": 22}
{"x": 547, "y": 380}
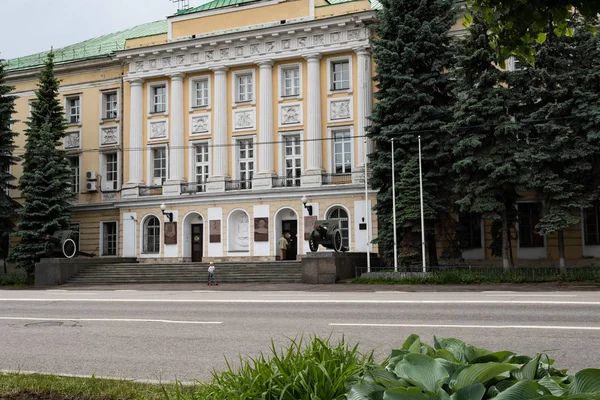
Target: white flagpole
{"x": 394, "y": 209}
{"x": 367, "y": 214}
{"x": 422, "y": 212}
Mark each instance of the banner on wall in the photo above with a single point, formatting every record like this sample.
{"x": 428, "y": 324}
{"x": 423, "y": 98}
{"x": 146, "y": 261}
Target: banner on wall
{"x": 309, "y": 223}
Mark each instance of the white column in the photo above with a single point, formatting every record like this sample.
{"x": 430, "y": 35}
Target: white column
{"x": 136, "y": 139}
{"x": 220, "y": 152}
{"x": 314, "y": 168}
{"x": 265, "y": 127}
{"x": 365, "y": 102}
{"x": 176, "y": 141}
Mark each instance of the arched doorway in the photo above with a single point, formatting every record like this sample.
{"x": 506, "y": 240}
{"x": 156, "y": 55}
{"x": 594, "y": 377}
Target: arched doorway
{"x": 193, "y": 237}
{"x": 341, "y": 214}
{"x": 238, "y": 232}
{"x": 286, "y": 220}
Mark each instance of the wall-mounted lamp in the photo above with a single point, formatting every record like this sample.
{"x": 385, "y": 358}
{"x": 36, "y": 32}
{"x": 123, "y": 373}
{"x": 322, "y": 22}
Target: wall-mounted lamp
{"x": 308, "y": 208}
{"x": 169, "y": 215}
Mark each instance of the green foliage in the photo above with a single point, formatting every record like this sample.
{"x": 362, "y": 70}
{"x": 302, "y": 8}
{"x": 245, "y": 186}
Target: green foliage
{"x": 454, "y": 370}
{"x": 315, "y": 371}
{"x": 13, "y": 280}
{"x": 411, "y": 50}
{"x": 7, "y": 159}
{"x": 517, "y": 25}
{"x": 45, "y": 182}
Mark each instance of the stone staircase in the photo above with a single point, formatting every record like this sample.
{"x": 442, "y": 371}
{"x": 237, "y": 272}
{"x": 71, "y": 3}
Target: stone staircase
{"x": 226, "y": 272}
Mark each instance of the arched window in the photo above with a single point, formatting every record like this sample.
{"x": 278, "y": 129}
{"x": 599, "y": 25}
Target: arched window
{"x": 152, "y": 235}
{"x": 341, "y": 215}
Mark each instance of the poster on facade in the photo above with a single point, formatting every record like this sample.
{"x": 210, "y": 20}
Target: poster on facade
{"x": 170, "y": 232}
{"x": 309, "y": 223}
{"x": 214, "y": 231}
{"x": 261, "y": 229}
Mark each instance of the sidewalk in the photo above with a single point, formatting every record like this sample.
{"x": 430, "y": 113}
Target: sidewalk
{"x": 343, "y": 287}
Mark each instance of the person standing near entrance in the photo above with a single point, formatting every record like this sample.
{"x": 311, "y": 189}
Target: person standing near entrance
{"x": 211, "y": 274}
{"x": 283, "y": 245}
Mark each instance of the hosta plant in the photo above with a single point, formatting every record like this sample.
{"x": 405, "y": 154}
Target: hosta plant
{"x": 453, "y": 370}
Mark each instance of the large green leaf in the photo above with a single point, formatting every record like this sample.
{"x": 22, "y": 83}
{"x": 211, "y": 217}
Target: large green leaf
{"x": 527, "y": 371}
{"x": 480, "y": 373}
{"x": 365, "y": 391}
{"x": 524, "y": 390}
{"x": 412, "y": 344}
{"x": 552, "y": 386}
{"x": 473, "y": 392}
{"x": 412, "y": 393}
{"x": 422, "y": 371}
{"x": 586, "y": 381}
{"x": 499, "y": 356}
{"x": 454, "y": 346}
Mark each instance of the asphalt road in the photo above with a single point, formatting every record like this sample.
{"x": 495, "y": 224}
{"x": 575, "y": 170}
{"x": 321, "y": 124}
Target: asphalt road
{"x": 185, "y": 334}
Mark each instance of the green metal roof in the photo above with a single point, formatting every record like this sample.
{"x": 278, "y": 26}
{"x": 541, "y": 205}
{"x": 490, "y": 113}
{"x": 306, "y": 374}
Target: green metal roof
{"x": 93, "y": 48}
{"x": 211, "y": 5}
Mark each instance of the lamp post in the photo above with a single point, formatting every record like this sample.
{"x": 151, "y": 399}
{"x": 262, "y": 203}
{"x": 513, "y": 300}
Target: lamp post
{"x": 367, "y": 211}
{"x": 394, "y": 209}
{"x": 422, "y": 211}
{"x": 169, "y": 215}
{"x": 308, "y": 208}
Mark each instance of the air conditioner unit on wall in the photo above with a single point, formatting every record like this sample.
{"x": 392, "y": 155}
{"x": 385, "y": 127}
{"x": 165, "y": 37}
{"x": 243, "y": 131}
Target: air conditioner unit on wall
{"x": 90, "y": 175}
{"x": 91, "y": 186}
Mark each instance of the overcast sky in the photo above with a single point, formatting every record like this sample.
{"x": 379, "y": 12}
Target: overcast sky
{"x": 31, "y": 26}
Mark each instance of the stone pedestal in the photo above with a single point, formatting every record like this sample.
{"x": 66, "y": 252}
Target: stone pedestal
{"x": 262, "y": 181}
{"x": 312, "y": 178}
{"x": 130, "y": 190}
{"x": 330, "y": 267}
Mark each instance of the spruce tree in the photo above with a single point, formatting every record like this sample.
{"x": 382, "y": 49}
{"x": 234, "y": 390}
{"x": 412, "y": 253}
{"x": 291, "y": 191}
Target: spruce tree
{"x": 412, "y": 54}
{"x": 45, "y": 184}
{"x": 7, "y": 158}
{"x": 562, "y": 149}
{"x": 484, "y": 136}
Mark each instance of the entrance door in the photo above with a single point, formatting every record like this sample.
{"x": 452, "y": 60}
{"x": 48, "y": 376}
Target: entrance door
{"x": 291, "y": 226}
{"x": 197, "y": 242}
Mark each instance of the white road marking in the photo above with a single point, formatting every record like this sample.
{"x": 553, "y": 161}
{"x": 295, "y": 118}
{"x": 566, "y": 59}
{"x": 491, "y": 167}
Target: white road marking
{"x": 296, "y": 294}
{"x": 152, "y": 381}
{"x": 308, "y": 301}
{"x": 125, "y": 290}
{"x": 389, "y": 291}
{"x": 498, "y": 291}
{"x": 166, "y": 321}
{"x": 82, "y": 293}
{"x": 531, "y": 295}
{"x": 549, "y": 327}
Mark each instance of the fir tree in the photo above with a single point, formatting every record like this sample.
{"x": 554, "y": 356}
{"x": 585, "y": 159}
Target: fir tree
{"x": 45, "y": 183}
{"x": 412, "y": 53}
{"x": 487, "y": 174}
{"x": 7, "y": 158}
{"x": 563, "y": 147}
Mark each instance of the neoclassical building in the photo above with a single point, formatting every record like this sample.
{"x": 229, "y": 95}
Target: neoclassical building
{"x": 227, "y": 115}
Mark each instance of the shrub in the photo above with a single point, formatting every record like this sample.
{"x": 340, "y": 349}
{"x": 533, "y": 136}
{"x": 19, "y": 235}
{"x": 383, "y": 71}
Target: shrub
{"x": 13, "y": 280}
{"x": 453, "y": 370}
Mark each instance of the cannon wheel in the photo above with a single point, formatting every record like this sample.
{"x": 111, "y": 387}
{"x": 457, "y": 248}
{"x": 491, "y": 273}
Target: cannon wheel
{"x": 337, "y": 241}
{"x": 69, "y": 248}
{"x": 314, "y": 246}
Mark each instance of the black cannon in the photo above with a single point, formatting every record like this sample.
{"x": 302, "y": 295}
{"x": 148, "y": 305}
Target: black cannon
{"x": 326, "y": 232}
{"x": 61, "y": 244}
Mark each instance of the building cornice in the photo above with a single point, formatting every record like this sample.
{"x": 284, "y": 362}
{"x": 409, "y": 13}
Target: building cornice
{"x": 69, "y": 88}
{"x": 66, "y": 69}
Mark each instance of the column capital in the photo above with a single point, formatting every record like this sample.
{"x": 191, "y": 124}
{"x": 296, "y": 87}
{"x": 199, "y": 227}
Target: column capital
{"x": 265, "y": 63}
{"x": 313, "y": 57}
{"x": 220, "y": 70}
{"x": 362, "y": 50}
{"x": 135, "y": 81}
{"x": 177, "y": 76}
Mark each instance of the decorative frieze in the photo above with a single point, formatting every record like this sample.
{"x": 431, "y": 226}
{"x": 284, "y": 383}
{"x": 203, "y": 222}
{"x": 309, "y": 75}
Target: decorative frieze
{"x": 72, "y": 140}
{"x": 318, "y": 40}
{"x": 166, "y": 62}
{"x": 244, "y": 119}
{"x": 180, "y": 60}
{"x": 109, "y": 196}
{"x": 340, "y": 109}
{"x": 270, "y": 46}
{"x": 200, "y": 124}
{"x": 209, "y": 54}
{"x": 224, "y": 53}
{"x": 109, "y": 135}
{"x": 239, "y": 51}
{"x": 290, "y": 114}
{"x": 139, "y": 65}
{"x": 335, "y": 37}
{"x": 254, "y": 49}
{"x": 157, "y": 129}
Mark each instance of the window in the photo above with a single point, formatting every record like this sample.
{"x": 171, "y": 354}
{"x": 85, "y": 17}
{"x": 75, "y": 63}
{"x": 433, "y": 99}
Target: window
{"x": 111, "y": 164}
{"x": 109, "y": 238}
{"x": 110, "y": 105}
{"x": 292, "y": 160}
{"x": 151, "y": 235}
{"x": 291, "y": 81}
{"x": 592, "y": 226}
{"x": 246, "y": 162}
{"x": 469, "y": 231}
{"x": 159, "y": 165}
{"x": 74, "y": 166}
{"x": 201, "y": 93}
{"x": 342, "y": 152}
{"x": 201, "y": 165}
{"x": 74, "y": 109}
{"x": 159, "y": 99}
{"x": 340, "y": 75}
{"x": 244, "y": 88}
{"x": 529, "y": 216}
{"x": 341, "y": 215}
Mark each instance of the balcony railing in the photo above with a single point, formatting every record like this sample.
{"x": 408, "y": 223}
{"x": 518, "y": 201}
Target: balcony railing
{"x": 284, "y": 181}
{"x": 151, "y": 191}
{"x": 238, "y": 185}
{"x": 193, "y": 187}
{"x": 337, "y": 179}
